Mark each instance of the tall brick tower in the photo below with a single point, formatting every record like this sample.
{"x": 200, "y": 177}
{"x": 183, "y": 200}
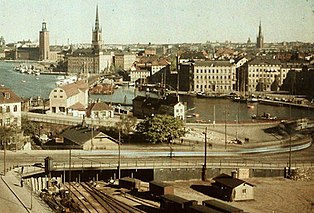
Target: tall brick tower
{"x": 44, "y": 49}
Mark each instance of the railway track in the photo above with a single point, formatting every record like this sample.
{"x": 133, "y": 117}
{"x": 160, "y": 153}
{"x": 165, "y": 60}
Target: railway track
{"x": 92, "y": 200}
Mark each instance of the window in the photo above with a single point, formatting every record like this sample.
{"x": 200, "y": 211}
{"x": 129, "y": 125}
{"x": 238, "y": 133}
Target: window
{"x": 61, "y": 96}
{"x": 0, "y": 109}
{"x": 243, "y": 191}
{"x": 8, "y": 109}
{"x": 7, "y": 121}
{"x": 15, "y": 108}
{"x": 55, "y": 96}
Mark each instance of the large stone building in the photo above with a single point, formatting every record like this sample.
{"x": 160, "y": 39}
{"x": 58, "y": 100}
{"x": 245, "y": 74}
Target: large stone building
{"x": 262, "y": 73}
{"x": 214, "y": 77}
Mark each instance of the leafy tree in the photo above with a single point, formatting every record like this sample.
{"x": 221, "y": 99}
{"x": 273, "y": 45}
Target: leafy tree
{"x": 30, "y": 128}
{"x": 161, "y": 129}
{"x": 6, "y": 133}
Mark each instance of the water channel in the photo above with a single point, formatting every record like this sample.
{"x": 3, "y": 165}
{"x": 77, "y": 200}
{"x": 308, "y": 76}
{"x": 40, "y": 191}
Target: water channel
{"x": 208, "y": 110}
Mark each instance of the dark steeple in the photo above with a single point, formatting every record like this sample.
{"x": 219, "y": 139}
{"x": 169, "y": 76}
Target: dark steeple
{"x": 97, "y": 19}
{"x": 96, "y": 36}
{"x": 260, "y": 37}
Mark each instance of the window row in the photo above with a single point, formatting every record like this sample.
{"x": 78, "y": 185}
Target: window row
{"x": 8, "y": 109}
{"x": 213, "y": 71}
{"x": 201, "y": 87}
{"x": 213, "y": 77}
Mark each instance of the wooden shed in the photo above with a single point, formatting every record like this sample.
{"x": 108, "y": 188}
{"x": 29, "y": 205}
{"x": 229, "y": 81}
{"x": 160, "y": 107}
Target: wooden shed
{"x": 222, "y": 207}
{"x": 173, "y": 203}
{"x": 130, "y": 183}
{"x": 229, "y": 188}
{"x": 158, "y": 188}
{"x": 201, "y": 209}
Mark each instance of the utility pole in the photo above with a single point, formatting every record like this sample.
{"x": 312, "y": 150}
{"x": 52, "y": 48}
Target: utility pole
{"x": 70, "y": 170}
{"x": 205, "y": 157}
{"x": 225, "y": 129}
{"x": 119, "y": 155}
{"x": 4, "y": 157}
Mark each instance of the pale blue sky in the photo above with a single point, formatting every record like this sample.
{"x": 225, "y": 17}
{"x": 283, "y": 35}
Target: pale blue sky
{"x": 158, "y": 21}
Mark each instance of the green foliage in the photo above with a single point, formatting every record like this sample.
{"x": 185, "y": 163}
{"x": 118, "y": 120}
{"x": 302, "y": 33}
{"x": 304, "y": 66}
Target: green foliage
{"x": 161, "y": 128}
{"x": 30, "y": 128}
{"x": 6, "y": 133}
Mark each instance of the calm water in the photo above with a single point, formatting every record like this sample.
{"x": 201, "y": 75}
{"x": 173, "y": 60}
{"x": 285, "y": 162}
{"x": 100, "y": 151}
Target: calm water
{"x": 27, "y": 86}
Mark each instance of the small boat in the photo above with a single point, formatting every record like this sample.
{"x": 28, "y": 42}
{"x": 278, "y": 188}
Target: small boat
{"x": 23, "y": 81}
{"x": 250, "y": 106}
{"x": 196, "y": 115}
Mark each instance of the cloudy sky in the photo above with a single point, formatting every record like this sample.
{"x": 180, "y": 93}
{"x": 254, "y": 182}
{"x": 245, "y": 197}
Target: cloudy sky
{"x": 158, "y": 21}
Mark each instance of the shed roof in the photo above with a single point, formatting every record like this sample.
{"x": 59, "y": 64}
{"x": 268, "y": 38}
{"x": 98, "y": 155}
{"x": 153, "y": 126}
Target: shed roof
{"x": 100, "y": 106}
{"x": 80, "y": 134}
{"x": 229, "y": 181}
{"x": 174, "y": 198}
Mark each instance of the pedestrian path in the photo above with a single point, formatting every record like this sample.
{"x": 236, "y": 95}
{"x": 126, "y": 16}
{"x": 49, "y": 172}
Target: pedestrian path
{"x": 29, "y": 200}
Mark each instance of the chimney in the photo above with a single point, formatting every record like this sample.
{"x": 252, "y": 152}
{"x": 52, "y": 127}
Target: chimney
{"x": 234, "y": 174}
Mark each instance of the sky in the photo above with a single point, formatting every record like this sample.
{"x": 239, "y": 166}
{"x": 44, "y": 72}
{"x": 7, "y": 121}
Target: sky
{"x": 158, "y": 21}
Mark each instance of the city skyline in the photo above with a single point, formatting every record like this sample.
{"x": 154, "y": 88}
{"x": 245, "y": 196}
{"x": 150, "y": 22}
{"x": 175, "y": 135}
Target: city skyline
{"x": 157, "y": 21}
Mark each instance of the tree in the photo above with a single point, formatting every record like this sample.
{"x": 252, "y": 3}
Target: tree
{"x": 6, "y": 134}
{"x": 30, "y": 128}
{"x": 161, "y": 129}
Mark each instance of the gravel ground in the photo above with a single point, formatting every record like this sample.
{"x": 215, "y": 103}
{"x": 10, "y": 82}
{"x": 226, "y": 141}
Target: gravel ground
{"x": 271, "y": 195}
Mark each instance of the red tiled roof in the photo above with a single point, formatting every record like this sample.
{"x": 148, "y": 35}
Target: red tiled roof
{"x": 8, "y": 96}
{"x": 100, "y": 106}
{"x": 77, "y": 106}
{"x": 74, "y": 88}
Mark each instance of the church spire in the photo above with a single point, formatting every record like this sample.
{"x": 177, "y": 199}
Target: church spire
{"x": 260, "y": 28}
{"x": 260, "y": 37}
{"x": 97, "y": 19}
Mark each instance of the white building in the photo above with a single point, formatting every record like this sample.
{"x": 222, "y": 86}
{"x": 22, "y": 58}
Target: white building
{"x": 262, "y": 73}
{"x": 10, "y": 108}
{"x": 70, "y": 99}
{"x": 136, "y": 74}
{"x": 214, "y": 76}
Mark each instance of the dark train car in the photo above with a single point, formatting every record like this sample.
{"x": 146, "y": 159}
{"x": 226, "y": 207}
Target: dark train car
{"x": 202, "y": 209}
{"x": 158, "y": 188}
{"x": 173, "y": 203}
{"x": 130, "y": 183}
{"x": 222, "y": 207}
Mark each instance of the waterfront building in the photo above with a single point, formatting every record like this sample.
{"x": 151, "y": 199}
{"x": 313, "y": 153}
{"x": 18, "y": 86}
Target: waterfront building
{"x": 139, "y": 74}
{"x": 260, "y": 37}
{"x": 159, "y": 64}
{"x": 44, "y": 49}
{"x": 10, "y": 108}
{"x": 262, "y": 73}
{"x": 123, "y": 60}
{"x": 70, "y": 99}
{"x": 91, "y": 60}
{"x": 149, "y": 106}
{"x": 214, "y": 77}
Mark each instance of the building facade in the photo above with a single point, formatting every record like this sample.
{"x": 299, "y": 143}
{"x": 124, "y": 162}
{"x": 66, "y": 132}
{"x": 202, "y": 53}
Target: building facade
{"x": 10, "y": 108}
{"x": 70, "y": 99}
{"x": 214, "y": 77}
{"x": 262, "y": 73}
